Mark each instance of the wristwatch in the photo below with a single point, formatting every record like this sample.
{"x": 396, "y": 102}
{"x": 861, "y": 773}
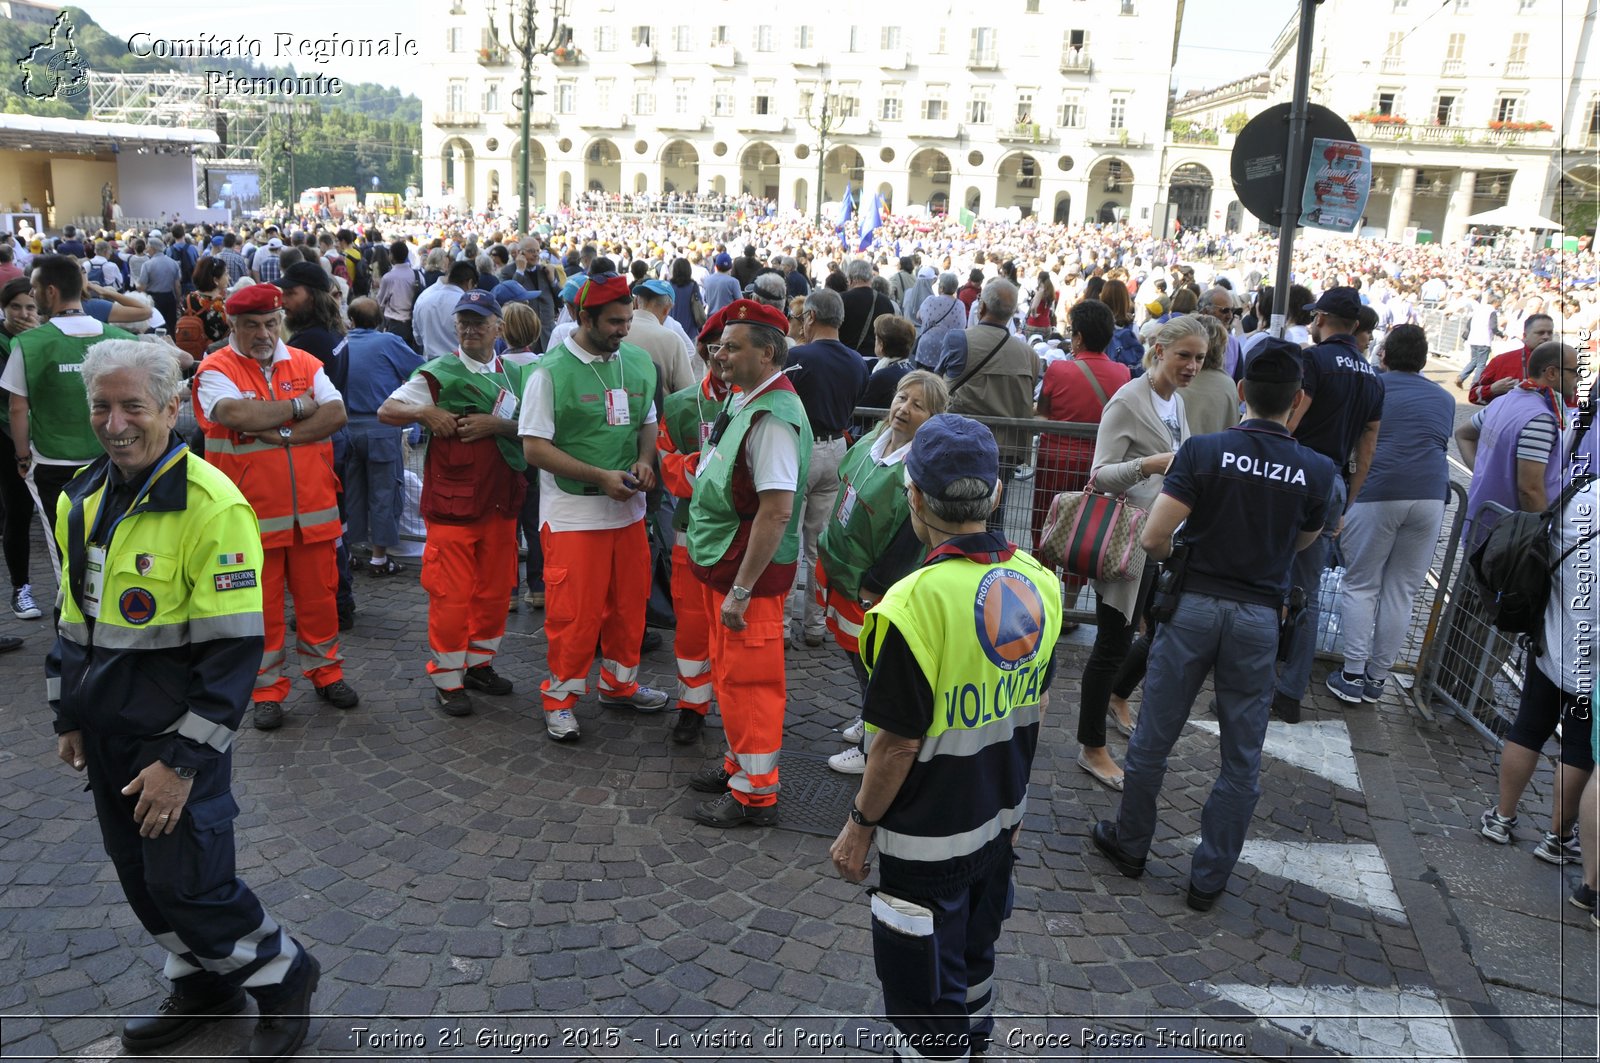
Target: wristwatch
{"x": 182, "y": 773}
{"x": 857, "y": 818}
{"x": 739, "y": 594}
{"x": 285, "y": 433}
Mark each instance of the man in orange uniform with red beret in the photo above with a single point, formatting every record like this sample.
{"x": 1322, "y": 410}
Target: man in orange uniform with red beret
{"x": 267, "y": 411}
{"x": 744, "y": 539}
{"x": 588, "y": 422}
{"x": 687, "y": 418}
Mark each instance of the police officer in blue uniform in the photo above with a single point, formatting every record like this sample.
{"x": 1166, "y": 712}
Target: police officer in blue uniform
{"x": 1251, "y": 484}
{"x": 1339, "y": 420}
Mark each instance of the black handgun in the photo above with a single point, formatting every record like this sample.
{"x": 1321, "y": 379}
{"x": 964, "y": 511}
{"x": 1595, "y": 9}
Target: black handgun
{"x": 1294, "y": 611}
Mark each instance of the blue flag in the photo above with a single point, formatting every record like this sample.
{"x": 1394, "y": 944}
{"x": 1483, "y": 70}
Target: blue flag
{"x": 869, "y": 230}
{"x": 849, "y": 205}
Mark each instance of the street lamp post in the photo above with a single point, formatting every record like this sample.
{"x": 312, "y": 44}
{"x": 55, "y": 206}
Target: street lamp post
{"x": 289, "y": 109}
{"x": 525, "y": 41}
{"x": 824, "y": 122}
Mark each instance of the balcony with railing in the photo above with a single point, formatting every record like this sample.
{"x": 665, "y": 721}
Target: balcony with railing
{"x": 1076, "y": 61}
{"x": 984, "y": 59}
{"x": 762, "y": 123}
{"x": 1024, "y": 133}
{"x": 536, "y": 120}
{"x": 681, "y": 123}
{"x": 1393, "y": 64}
{"x": 1516, "y": 68}
{"x": 855, "y": 126}
{"x": 1123, "y": 137}
{"x": 890, "y": 59}
{"x": 933, "y": 128}
{"x": 722, "y": 55}
{"x": 1453, "y": 68}
{"x": 606, "y": 120}
{"x": 806, "y": 57}
{"x": 1457, "y": 136}
{"x": 1195, "y": 136}
{"x": 457, "y": 119}
{"x": 638, "y": 54}
{"x": 494, "y": 55}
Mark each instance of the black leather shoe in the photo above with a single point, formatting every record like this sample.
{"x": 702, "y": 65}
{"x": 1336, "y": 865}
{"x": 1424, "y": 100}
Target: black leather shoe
{"x": 177, "y": 1016}
{"x": 268, "y": 715}
{"x": 486, "y": 679}
{"x": 1104, "y": 836}
{"x": 1201, "y": 900}
{"x": 9, "y": 643}
{"x": 729, "y": 811}
{"x": 340, "y": 694}
{"x": 712, "y": 780}
{"x": 455, "y": 702}
{"x": 688, "y": 727}
{"x": 1285, "y": 708}
{"x": 282, "y": 1028}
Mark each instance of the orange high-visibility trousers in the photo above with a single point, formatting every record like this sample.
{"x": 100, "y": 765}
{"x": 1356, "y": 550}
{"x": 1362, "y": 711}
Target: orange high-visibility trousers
{"x": 691, "y": 641}
{"x": 596, "y": 584}
{"x": 469, "y": 571}
{"x": 311, "y": 574}
{"x": 748, "y": 678}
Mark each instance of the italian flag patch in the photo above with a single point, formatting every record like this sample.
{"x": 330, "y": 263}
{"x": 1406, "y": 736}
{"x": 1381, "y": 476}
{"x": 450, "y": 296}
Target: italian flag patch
{"x": 231, "y": 559}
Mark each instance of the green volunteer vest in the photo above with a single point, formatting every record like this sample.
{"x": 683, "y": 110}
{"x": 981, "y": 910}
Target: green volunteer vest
{"x": 713, "y": 522}
{"x": 870, "y": 509}
{"x": 580, "y": 412}
{"x": 58, "y": 406}
{"x": 685, "y": 411}
{"x": 463, "y": 391}
{"x": 983, "y": 635}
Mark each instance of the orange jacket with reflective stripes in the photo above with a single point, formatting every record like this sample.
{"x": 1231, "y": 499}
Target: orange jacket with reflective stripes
{"x": 289, "y": 487}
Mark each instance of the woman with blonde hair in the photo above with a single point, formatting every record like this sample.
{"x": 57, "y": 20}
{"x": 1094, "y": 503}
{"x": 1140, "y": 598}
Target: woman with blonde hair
{"x": 1212, "y": 399}
{"x": 868, "y": 542}
{"x": 1141, "y": 429}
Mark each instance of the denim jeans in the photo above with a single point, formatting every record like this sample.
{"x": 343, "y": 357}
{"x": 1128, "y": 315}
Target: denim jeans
{"x": 1295, "y": 674}
{"x": 1235, "y": 643}
{"x": 1478, "y": 357}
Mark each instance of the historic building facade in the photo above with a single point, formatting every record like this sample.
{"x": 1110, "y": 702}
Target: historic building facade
{"x": 1055, "y": 107}
{"x": 1468, "y": 105}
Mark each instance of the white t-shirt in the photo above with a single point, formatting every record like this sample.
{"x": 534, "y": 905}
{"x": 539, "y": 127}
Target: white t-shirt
{"x": 772, "y": 448}
{"x": 558, "y": 510}
{"x": 211, "y": 386}
{"x": 1170, "y": 411}
{"x": 1573, "y": 615}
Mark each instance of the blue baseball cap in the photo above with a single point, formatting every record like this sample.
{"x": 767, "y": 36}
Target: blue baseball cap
{"x": 723, "y": 260}
{"x": 569, "y": 290}
{"x": 949, "y": 447}
{"x": 655, "y": 287}
{"x": 478, "y": 301}
{"x": 510, "y": 292}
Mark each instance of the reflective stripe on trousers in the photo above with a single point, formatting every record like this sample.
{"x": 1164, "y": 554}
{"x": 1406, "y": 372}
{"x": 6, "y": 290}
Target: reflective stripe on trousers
{"x": 747, "y": 675}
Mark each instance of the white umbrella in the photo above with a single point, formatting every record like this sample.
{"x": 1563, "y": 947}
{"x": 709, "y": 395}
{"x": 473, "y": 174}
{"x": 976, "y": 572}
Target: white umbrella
{"x": 1509, "y": 217}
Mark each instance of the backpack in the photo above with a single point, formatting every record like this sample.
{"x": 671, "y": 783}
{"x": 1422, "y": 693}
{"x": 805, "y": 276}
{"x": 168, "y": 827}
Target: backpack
{"x": 185, "y": 256}
{"x": 1515, "y": 564}
{"x": 202, "y": 324}
{"x": 361, "y": 283}
{"x": 1126, "y": 349}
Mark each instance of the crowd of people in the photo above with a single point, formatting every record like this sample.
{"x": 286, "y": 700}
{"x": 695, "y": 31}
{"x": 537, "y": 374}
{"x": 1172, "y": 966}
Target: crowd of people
{"x": 668, "y": 414}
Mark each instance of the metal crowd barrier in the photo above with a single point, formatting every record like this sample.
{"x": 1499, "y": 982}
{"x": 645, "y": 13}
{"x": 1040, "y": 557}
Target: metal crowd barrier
{"x": 1446, "y": 330}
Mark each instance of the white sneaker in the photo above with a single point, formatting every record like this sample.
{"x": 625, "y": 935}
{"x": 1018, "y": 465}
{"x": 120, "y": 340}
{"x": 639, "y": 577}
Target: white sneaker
{"x": 855, "y": 732}
{"x": 851, "y": 762}
{"x": 561, "y": 725}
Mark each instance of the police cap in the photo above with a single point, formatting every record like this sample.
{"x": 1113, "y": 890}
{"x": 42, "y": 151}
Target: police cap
{"x": 1274, "y": 361}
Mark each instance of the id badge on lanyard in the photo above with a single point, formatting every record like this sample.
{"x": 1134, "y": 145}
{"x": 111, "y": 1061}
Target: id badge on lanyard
{"x": 617, "y": 406}
{"x": 848, "y": 506}
{"x": 505, "y": 405}
{"x": 94, "y": 581}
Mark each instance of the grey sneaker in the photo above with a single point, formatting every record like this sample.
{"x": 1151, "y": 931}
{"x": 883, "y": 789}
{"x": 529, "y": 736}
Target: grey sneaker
{"x": 1554, "y": 849}
{"x": 561, "y": 725}
{"x": 1495, "y": 827}
{"x": 1371, "y": 690}
{"x": 643, "y": 699}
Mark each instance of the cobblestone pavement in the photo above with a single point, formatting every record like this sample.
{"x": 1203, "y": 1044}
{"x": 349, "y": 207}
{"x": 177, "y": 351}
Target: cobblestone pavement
{"x": 475, "y": 890}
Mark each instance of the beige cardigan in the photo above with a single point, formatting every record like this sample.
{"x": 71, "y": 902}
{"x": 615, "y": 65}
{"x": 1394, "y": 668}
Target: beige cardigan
{"x": 1130, "y": 431}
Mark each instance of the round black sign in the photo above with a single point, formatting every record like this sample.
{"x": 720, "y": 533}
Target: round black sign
{"x": 1262, "y": 151}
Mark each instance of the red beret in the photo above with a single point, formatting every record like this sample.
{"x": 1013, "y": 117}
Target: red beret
{"x": 750, "y": 312}
{"x": 256, "y": 299}
{"x": 598, "y": 291}
{"x": 711, "y": 331}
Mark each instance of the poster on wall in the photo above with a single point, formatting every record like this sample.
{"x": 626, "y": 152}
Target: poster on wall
{"x": 1338, "y": 182}
{"x": 236, "y": 191}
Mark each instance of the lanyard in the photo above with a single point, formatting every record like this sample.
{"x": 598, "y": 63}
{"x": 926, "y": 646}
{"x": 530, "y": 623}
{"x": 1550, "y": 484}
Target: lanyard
{"x": 102, "y": 532}
{"x": 725, "y": 415}
{"x": 622, "y": 374}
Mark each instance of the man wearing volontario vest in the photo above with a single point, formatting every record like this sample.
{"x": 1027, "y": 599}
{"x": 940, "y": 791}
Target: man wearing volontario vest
{"x": 149, "y": 679}
{"x": 744, "y": 539}
{"x": 267, "y": 411}
{"x": 1251, "y": 484}
{"x": 472, "y": 491}
{"x": 688, "y": 417}
{"x": 49, "y": 414}
{"x": 960, "y": 656}
{"x": 588, "y": 423}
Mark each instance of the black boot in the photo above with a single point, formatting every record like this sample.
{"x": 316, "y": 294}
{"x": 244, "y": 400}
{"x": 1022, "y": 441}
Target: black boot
{"x": 284, "y": 1021}
{"x": 180, "y": 1014}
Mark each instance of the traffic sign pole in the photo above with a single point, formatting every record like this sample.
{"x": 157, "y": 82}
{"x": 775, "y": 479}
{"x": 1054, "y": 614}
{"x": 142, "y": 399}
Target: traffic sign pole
{"x": 1294, "y": 176}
